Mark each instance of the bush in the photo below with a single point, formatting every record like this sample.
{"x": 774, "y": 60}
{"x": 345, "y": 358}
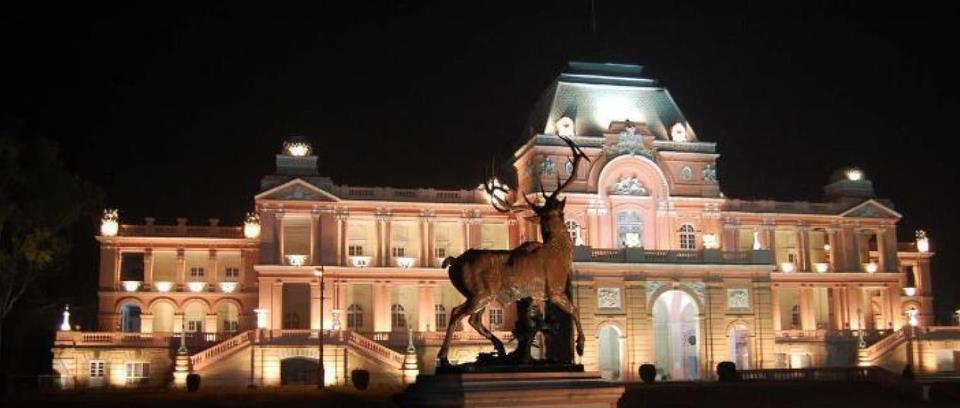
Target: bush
{"x": 193, "y": 382}
{"x": 727, "y": 371}
{"x": 648, "y": 373}
{"x": 360, "y": 379}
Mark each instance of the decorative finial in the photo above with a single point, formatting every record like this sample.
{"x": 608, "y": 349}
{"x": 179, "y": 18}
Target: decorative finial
{"x": 65, "y": 325}
{"x": 109, "y": 223}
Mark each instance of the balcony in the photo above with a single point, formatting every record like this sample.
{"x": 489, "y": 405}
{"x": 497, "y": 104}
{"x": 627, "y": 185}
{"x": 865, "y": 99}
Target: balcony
{"x": 640, "y": 255}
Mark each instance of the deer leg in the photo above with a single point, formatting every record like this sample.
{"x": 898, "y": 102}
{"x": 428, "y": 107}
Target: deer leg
{"x": 563, "y": 302}
{"x": 456, "y": 314}
{"x": 477, "y": 323}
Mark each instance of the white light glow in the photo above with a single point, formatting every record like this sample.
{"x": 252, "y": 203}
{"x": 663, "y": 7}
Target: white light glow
{"x": 756, "y": 240}
{"x": 923, "y": 242}
{"x": 787, "y": 267}
{"x": 617, "y": 108}
{"x": 261, "y": 318}
{"x": 297, "y": 149}
{"x": 913, "y": 317}
{"x": 360, "y": 261}
{"x": 854, "y": 174}
{"x": 228, "y": 287}
{"x": 678, "y": 132}
{"x": 163, "y": 286}
{"x": 826, "y": 247}
{"x": 109, "y": 224}
{"x": 632, "y": 240}
{"x": 296, "y": 260}
{"x": 196, "y": 287}
{"x": 821, "y": 267}
{"x": 251, "y": 226}
{"x": 870, "y": 267}
{"x": 131, "y": 286}
{"x": 711, "y": 241}
{"x": 565, "y": 127}
{"x": 404, "y": 261}
{"x": 910, "y": 291}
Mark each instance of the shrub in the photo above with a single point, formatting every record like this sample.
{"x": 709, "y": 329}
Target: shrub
{"x": 727, "y": 371}
{"x": 648, "y": 373}
{"x": 360, "y": 379}
{"x": 193, "y": 382}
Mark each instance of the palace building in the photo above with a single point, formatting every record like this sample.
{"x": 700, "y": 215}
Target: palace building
{"x": 667, "y": 270}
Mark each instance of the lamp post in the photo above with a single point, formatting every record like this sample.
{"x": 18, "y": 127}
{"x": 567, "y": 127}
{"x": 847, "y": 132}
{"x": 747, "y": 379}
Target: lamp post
{"x": 320, "y": 374}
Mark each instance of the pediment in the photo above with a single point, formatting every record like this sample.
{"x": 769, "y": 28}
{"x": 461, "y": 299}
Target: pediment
{"x": 297, "y": 190}
{"x": 871, "y": 209}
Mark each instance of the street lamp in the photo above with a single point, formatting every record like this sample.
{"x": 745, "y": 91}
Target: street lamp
{"x": 320, "y": 374}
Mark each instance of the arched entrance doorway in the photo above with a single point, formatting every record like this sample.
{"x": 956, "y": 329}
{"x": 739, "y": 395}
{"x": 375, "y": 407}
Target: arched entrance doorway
{"x": 298, "y": 371}
{"x": 740, "y": 346}
{"x": 611, "y": 353}
{"x": 676, "y": 332}
{"x": 130, "y": 318}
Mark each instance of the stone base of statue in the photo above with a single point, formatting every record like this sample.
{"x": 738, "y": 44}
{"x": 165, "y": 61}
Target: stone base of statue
{"x": 545, "y": 389}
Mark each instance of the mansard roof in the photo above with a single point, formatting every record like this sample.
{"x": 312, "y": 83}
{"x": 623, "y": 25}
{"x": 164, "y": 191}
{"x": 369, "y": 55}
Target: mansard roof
{"x": 594, "y": 95}
{"x": 306, "y": 189}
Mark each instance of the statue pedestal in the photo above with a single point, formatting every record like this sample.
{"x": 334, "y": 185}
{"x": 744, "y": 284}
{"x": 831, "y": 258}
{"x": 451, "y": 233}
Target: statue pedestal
{"x": 512, "y": 389}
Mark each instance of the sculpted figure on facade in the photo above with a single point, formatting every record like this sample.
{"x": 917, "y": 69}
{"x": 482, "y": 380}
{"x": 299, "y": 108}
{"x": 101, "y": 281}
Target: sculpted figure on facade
{"x": 532, "y": 274}
{"x": 628, "y": 186}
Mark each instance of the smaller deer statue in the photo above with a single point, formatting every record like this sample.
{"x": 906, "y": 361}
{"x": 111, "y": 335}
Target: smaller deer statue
{"x": 535, "y": 270}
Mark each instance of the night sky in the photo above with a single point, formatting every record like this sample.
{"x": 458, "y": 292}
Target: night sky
{"x": 177, "y": 111}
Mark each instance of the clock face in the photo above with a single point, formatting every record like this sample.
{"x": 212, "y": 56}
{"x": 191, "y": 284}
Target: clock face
{"x": 678, "y": 132}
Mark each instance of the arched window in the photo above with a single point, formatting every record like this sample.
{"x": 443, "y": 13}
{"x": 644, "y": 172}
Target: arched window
{"x": 496, "y": 318}
{"x": 688, "y": 237}
{"x": 575, "y": 232}
{"x": 440, "y": 317}
{"x": 398, "y": 318}
{"x": 354, "y": 317}
{"x": 130, "y": 318}
{"x": 629, "y": 229}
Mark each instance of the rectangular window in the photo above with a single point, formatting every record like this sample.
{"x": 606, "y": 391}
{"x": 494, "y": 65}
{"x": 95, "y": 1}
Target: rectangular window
{"x": 496, "y": 319}
{"x": 131, "y": 266}
{"x": 441, "y": 252}
{"x": 196, "y": 272}
{"x": 97, "y": 368}
{"x": 355, "y": 250}
{"x": 231, "y": 272}
{"x": 230, "y": 325}
{"x": 138, "y": 373}
{"x": 194, "y": 326}
{"x": 399, "y": 251}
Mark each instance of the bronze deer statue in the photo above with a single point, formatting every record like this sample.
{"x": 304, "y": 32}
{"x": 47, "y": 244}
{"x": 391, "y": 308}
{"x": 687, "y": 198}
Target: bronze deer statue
{"x": 535, "y": 270}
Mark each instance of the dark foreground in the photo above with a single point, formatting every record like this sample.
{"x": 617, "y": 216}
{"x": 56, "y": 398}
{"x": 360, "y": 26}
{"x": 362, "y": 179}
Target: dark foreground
{"x": 739, "y": 395}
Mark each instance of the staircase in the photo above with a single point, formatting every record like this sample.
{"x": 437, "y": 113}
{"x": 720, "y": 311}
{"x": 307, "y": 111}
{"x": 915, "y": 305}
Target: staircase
{"x": 373, "y": 350}
{"x": 221, "y": 350}
{"x": 874, "y": 355}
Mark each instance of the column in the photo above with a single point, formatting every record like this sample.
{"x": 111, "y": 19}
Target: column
{"x": 210, "y": 323}
{"x": 381, "y": 307}
{"x": 278, "y": 238}
{"x": 770, "y": 239}
{"x": 465, "y": 228}
{"x": 432, "y": 244}
{"x": 924, "y": 290}
{"x": 775, "y": 307}
{"x": 178, "y": 322}
{"x": 893, "y": 303}
{"x": 836, "y": 308}
{"x": 832, "y": 253}
{"x": 146, "y": 322}
{"x": 147, "y": 269}
{"x": 248, "y": 275}
{"x": 848, "y": 257}
{"x": 181, "y": 268}
{"x": 593, "y": 224}
{"x": 807, "y": 317}
{"x": 342, "y": 242}
{"x": 882, "y": 250}
{"x": 729, "y": 238}
{"x": 212, "y": 269}
{"x": 316, "y": 296}
{"x": 316, "y": 229}
{"x": 109, "y": 267}
{"x": 803, "y": 240}
{"x": 426, "y": 313}
{"x": 855, "y": 309}
{"x": 424, "y": 259}
{"x": 276, "y": 306}
{"x": 388, "y": 242}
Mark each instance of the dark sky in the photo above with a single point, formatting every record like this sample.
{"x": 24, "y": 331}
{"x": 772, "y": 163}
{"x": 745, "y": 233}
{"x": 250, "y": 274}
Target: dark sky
{"x": 177, "y": 111}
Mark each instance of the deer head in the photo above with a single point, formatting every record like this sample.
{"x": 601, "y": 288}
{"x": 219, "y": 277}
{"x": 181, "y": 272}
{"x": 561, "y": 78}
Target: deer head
{"x": 550, "y": 212}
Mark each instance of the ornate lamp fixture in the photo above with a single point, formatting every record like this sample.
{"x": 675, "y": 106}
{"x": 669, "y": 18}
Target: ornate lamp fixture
{"x": 109, "y": 223}
{"x": 251, "y": 226}
{"x": 711, "y": 241}
{"x": 854, "y": 174}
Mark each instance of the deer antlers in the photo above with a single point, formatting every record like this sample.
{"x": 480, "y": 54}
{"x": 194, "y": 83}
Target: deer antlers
{"x": 498, "y": 192}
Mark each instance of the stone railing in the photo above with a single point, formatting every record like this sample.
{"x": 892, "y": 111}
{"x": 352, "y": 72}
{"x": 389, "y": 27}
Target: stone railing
{"x": 80, "y": 339}
{"x": 869, "y": 336}
{"x": 435, "y": 338}
{"x": 204, "y": 231}
{"x": 221, "y": 350}
{"x": 801, "y": 335}
{"x": 869, "y": 356}
{"x": 839, "y": 374}
{"x": 640, "y": 255}
{"x": 374, "y": 349}
{"x": 410, "y": 194}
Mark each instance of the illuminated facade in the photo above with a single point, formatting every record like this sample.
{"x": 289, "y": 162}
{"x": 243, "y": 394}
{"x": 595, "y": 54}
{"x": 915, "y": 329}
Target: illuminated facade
{"x": 667, "y": 270}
